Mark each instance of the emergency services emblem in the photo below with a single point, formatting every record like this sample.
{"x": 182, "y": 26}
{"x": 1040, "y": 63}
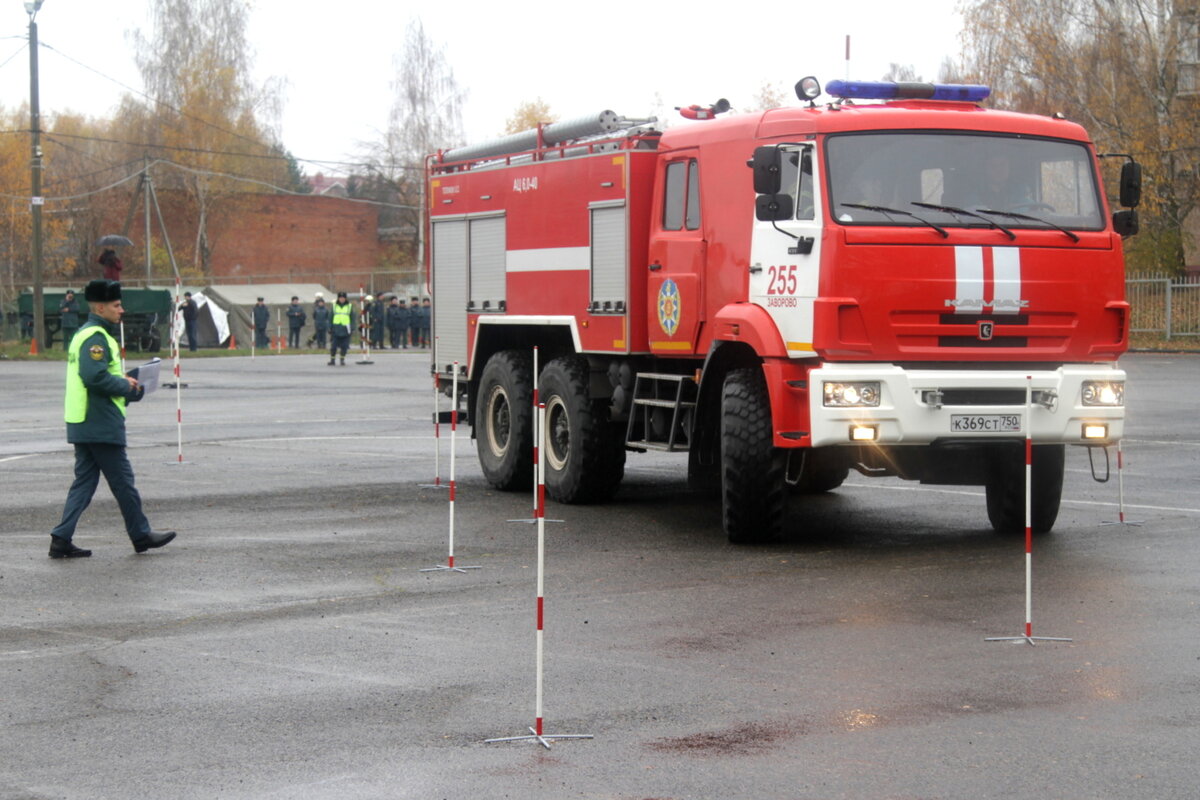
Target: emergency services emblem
{"x": 96, "y": 351}
{"x": 668, "y": 307}
{"x": 986, "y": 329}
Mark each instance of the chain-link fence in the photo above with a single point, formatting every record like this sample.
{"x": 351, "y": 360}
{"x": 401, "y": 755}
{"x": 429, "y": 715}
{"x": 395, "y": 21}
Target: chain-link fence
{"x": 1163, "y": 304}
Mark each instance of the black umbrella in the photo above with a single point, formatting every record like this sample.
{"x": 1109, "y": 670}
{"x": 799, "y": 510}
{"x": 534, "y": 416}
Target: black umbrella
{"x": 114, "y": 240}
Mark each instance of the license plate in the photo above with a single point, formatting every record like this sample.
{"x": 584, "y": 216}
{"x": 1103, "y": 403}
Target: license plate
{"x": 985, "y": 423}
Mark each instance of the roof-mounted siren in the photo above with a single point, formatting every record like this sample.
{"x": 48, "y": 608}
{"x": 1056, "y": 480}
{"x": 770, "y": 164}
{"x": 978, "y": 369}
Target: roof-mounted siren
{"x": 890, "y": 90}
{"x": 702, "y": 112}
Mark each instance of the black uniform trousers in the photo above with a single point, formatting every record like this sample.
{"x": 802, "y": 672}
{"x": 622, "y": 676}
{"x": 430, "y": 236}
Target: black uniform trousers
{"x": 91, "y": 460}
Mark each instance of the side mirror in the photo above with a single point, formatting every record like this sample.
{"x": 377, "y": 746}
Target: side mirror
{"x": 767, "y": 164}
{"x": 1131, "y": 184}
{"x": 773, "y": 207}
{"x": 1125, "y": 223}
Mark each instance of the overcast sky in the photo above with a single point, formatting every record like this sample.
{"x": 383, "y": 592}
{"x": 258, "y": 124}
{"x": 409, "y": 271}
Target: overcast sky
{"x": 337, "y": 58}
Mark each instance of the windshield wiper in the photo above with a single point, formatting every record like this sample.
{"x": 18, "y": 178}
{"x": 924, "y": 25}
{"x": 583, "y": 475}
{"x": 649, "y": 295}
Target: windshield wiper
{"x": 1046, "y": 222}
{"x": 890, "y": 211}
{"x": 964, "y": 212}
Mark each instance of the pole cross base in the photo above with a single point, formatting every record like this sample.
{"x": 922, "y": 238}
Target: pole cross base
{"x": 1027, "y": 639}
{"x": 364, "y": 361}
{"x": 433, "y": 486}
{"x": 1134, "y": 523}
{"x": 448, "y": 568}
{"x": 542, "y": 738}
{"x": 533, "y": 521}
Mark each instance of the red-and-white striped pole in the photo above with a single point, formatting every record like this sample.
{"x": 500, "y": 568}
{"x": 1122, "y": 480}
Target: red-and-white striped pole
{"x": 449, "y": 566}
{"x": 1028, "y": 636}
{"x": 1121, "y": 490}
{"x": 537, "y": 437}
{"x": 175, "y": 334}
{"x": 437, "y": 422}
{"x": 539, "y": 514}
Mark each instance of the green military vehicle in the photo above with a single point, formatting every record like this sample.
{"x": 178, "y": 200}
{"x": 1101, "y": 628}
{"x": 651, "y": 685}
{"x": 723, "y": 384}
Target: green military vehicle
{"x": 147, "y": 316}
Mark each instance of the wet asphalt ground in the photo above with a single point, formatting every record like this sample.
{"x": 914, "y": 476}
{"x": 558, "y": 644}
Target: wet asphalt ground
{"x": 286, "y": 645}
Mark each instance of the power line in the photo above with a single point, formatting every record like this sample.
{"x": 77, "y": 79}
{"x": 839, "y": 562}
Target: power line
{"x": 155, "y": 100}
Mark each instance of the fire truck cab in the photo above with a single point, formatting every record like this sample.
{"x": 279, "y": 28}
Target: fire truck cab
{"x": 901, "y": 288}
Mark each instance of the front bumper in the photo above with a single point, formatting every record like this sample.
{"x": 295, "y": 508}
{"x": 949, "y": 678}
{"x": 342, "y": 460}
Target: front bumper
{"x": 919, "y": 407}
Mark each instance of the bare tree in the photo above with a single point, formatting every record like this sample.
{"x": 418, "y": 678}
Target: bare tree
{"x": 426, "y": 116}
{"x": 208, "y": 114}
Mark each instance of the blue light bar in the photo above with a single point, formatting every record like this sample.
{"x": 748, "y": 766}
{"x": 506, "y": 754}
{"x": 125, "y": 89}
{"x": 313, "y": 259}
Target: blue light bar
{"x": 886, "y": 90}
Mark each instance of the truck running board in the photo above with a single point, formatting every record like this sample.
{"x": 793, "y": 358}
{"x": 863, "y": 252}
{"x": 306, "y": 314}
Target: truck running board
{"x": 661, "y": 406}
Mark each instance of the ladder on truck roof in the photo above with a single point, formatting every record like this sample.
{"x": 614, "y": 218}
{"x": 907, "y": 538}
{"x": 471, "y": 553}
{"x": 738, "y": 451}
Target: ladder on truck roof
{"x": 582, "y": 136}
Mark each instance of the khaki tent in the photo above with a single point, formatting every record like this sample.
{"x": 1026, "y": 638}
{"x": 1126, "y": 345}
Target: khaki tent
{"x": 239, "y": 300}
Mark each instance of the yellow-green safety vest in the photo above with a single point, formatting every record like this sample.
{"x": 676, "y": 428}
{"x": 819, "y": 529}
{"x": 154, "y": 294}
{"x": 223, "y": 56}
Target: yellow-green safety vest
{"x": 341, "y": 315}
{"x": 77, "y": 393}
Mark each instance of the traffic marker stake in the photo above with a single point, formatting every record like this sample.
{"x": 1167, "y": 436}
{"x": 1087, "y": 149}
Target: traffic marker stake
{"x": 449, "y": 565}
{"x": 1028, "y": 636}
{"x": 536, "y": 732}
{"x": 1120, "y": 520}
{"x": 437, "y": 430}
{"x": 536, "y": 438}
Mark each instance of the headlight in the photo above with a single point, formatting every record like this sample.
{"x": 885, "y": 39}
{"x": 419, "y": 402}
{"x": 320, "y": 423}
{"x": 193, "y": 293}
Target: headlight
{"x": 852, "y": 395}
{"x": 1104, "y": 393}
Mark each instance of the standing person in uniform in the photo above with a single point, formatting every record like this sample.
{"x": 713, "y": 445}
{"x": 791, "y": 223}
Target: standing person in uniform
{"x": 414, "y": 322}
{"x": 296, "y": 319}
{"x": 378, "y": 323}
{"x": 397, "y": 321}
{"x": 426, "y": 314}
{"x": 96, "y": 395}
{"x": 69, "y": 316}
{"x": 320, "y": 315}
{"x": 262, "y": 318}
{"x": 190, "y": 312}
{"x": 341, "y": 324}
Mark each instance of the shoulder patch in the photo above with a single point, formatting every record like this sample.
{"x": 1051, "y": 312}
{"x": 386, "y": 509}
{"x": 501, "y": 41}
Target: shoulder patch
{"x": 96, "y": 351}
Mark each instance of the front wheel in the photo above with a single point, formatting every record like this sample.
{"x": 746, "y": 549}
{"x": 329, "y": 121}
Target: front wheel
{"x": 1006, "y": 489}
{"x": 753, "y": 470}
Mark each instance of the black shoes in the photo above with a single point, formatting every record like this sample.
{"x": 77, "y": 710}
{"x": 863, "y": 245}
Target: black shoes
{"x": 61, "y": 548}
{"x": 331, "y": 362}
{"x": 153, "y": 540}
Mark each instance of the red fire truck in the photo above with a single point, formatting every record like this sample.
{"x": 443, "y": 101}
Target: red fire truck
{"x": 787, "y": 295}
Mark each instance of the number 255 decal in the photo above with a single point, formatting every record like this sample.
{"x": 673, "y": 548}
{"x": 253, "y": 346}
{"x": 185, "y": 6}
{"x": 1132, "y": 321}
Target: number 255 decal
{"x": 782, "y": 279}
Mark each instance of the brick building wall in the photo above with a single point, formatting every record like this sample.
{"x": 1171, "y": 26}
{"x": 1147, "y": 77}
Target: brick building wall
{"x": 268, "y": 237}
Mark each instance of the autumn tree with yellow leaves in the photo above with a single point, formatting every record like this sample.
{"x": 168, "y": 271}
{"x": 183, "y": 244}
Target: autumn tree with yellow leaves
{"x": 1126, "y": 71}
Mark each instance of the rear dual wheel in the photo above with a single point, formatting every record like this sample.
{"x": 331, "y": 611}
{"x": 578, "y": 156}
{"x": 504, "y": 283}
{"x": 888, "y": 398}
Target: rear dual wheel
{"x": 585, "y": 451}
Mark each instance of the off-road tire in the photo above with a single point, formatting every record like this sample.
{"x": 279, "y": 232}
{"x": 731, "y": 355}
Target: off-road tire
{"x": 504, "y": 421}
{"x": 753, "y": 470}
{"x": 1006, "y": 489}
{"x": 585, "y": 451}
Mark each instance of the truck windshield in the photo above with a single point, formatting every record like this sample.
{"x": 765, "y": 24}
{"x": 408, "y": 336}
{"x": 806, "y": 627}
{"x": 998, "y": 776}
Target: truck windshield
{"x": 1028, "y": 182}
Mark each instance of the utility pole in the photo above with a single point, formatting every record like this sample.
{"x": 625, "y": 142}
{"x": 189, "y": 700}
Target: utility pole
{"x": 35, "y": 193}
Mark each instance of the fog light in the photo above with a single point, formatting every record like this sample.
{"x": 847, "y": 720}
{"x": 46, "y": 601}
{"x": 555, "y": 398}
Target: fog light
{"x": 1103, "y": 393}
{"x": 1092, "y": 430}
{"x": 862, "y": 394}
{"x": 863, "y": 433}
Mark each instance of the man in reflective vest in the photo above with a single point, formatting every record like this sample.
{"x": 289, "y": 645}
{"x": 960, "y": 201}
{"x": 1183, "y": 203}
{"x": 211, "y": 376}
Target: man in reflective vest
{"x": 342, "y": 323}
{"x": 97, "y": 391}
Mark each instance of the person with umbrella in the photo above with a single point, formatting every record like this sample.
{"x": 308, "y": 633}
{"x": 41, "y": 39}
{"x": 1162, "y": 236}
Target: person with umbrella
{"x": 109, "y": 259}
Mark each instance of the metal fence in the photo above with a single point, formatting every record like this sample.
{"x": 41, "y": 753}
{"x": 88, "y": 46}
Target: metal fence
{"x": 1168, "y": 305}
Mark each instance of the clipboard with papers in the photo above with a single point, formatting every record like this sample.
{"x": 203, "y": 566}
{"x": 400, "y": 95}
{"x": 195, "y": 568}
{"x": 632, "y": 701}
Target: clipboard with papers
{"x": 147, "y": 375}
